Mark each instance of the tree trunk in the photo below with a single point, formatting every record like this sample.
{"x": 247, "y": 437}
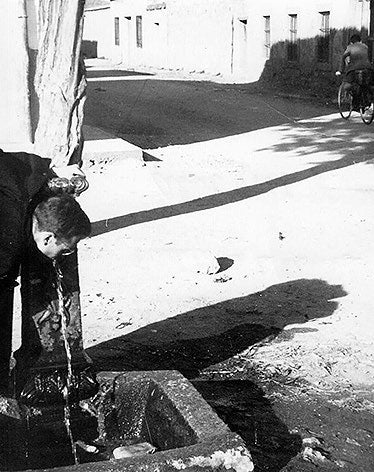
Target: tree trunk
{"x": 59, "y": 82}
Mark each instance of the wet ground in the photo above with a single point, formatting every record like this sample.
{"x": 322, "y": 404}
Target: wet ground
{"x": 286, "y": 424}
{"x": 290, "y": 429}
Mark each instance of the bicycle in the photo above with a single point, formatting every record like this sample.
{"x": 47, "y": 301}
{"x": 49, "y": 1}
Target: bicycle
{"x": 362, "y": 92}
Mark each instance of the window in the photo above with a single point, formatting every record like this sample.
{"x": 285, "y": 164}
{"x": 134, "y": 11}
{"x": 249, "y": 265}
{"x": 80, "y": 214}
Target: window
{"x": 139, "y": 32}
{"x": 116, "y": 31}
{"x": 267, "y": 36}
{"x": 323, "y": 41}
{"x": 292, "y": 45}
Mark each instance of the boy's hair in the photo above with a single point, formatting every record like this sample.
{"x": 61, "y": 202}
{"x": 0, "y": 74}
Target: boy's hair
{"x": 63, "y": 216}
{"x": 355, "y": 38}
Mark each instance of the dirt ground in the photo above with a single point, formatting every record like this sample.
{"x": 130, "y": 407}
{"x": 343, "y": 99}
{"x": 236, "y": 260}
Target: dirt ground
{"x": 245, "y": 263}
{"x": 253, "y": 280}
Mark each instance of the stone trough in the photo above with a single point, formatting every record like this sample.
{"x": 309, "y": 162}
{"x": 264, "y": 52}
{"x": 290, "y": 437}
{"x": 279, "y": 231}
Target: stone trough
{"x": 63, "y": 417}
{"x": 164, "y": 409}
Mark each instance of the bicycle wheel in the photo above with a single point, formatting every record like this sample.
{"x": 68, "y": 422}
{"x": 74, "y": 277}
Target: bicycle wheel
{"x": 345, "y": 103}
{"x": 366, "y": 110}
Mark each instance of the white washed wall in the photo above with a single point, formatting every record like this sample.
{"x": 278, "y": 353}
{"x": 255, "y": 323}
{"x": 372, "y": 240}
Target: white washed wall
{"x": 219, "y": 36}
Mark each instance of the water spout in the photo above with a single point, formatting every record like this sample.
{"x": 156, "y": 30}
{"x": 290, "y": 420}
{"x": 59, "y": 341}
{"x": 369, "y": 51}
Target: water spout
{"x": 69, "y": 379}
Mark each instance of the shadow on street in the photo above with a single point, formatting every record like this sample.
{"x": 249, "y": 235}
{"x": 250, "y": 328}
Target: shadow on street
{"x": 224, "y": 198}
{"x": 153, "y": 113}
{"x": 192, "y": 342}
{"x": 243, "y": 406}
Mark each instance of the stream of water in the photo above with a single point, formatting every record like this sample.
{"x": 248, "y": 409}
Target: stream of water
{"x": 69, "y": 379}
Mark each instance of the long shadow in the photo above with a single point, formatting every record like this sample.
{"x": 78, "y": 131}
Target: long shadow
{"x": 224, "y": 198}
{"x": 242, "y": 405}
{"x": 93, "y": 74}
{"x": 193, "y": 341}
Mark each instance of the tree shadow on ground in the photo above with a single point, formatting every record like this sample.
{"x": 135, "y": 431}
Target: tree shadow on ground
{"x": 330, "y": 134}
{"x": 193, "y": 341}
{"x": 224, "y": 198}
{"x": 196, "y": 340}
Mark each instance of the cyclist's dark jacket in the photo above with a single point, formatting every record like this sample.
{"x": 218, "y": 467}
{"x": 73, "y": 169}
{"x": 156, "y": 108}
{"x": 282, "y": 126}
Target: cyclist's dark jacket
{"x": 357, "y": 55}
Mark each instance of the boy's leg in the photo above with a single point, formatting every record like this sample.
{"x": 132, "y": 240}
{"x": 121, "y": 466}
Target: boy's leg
{"x": 10, "y": 250}
{"x": 6, "y": 324}
{"x": 350, "y": 85}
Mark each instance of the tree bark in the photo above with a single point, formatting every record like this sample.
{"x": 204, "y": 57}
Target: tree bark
{"x": 24, "y": 58}
{"x": 59, "y": 82}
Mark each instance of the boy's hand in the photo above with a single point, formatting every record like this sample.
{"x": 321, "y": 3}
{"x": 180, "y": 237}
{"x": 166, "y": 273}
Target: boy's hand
{"x": 68, "y": 171}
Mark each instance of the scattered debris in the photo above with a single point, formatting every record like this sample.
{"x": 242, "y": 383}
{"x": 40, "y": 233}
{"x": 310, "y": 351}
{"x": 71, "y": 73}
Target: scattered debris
{"x": 312, "y": 442}
{"x": 123, "y": 325}
{"x": 313, "y": 456}
{"x": 353, "y": 442}
{"x": 222, "y": 279}
{"x": 314, "y": 452}
{"x": 213, "y": 266}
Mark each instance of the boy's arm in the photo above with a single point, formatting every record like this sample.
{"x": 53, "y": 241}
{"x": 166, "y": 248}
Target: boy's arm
{"x": 28, "y": 174}
{"x": 68, "y": 171}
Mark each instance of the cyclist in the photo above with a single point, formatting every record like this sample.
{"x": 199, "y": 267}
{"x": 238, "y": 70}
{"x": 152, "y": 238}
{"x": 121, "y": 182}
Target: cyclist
{"x": 356, "y": 57}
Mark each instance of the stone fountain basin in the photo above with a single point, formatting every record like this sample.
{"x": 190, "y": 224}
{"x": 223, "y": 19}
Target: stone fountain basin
{"x": 163, "y": 408}
{"x": 158, "y": 407}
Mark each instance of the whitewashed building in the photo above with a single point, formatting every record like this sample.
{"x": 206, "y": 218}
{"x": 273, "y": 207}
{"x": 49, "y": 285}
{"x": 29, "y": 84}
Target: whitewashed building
{"x": 98, "y": 21}
{"x": 234, "y": 38}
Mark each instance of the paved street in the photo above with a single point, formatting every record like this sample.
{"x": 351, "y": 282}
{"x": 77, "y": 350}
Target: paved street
{"x": 151, "y": 112}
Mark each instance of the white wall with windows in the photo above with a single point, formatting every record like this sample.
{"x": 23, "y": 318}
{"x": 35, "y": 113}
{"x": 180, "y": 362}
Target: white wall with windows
{"x": 234, "y": 38}
{"x": 306, "y": 33}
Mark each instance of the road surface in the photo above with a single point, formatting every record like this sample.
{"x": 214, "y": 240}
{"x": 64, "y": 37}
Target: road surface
{"x": 151, "y": 112}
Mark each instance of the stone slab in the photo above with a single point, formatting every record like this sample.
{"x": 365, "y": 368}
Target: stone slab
{"x": 100, "y": 146}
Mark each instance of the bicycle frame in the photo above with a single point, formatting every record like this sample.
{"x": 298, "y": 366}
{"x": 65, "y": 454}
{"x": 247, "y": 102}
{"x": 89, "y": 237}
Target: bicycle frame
{"x": 361, "y": 92}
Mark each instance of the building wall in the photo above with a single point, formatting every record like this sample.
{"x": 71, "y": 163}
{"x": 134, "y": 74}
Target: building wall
{"x": 200, "y": 35}
{"x": 345, "y": 17}
{"x": 97, "y": 24}
{"x": 228, "y": 36}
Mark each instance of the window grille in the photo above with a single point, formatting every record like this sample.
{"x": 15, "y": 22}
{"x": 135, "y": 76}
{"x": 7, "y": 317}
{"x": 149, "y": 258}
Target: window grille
{"x": 267, "y": 36}
{"x": 292, "y": 52}
{"x": 116, "y": 31}
{"x": 139, "y": 32}
{"x": 323, "y": 41}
